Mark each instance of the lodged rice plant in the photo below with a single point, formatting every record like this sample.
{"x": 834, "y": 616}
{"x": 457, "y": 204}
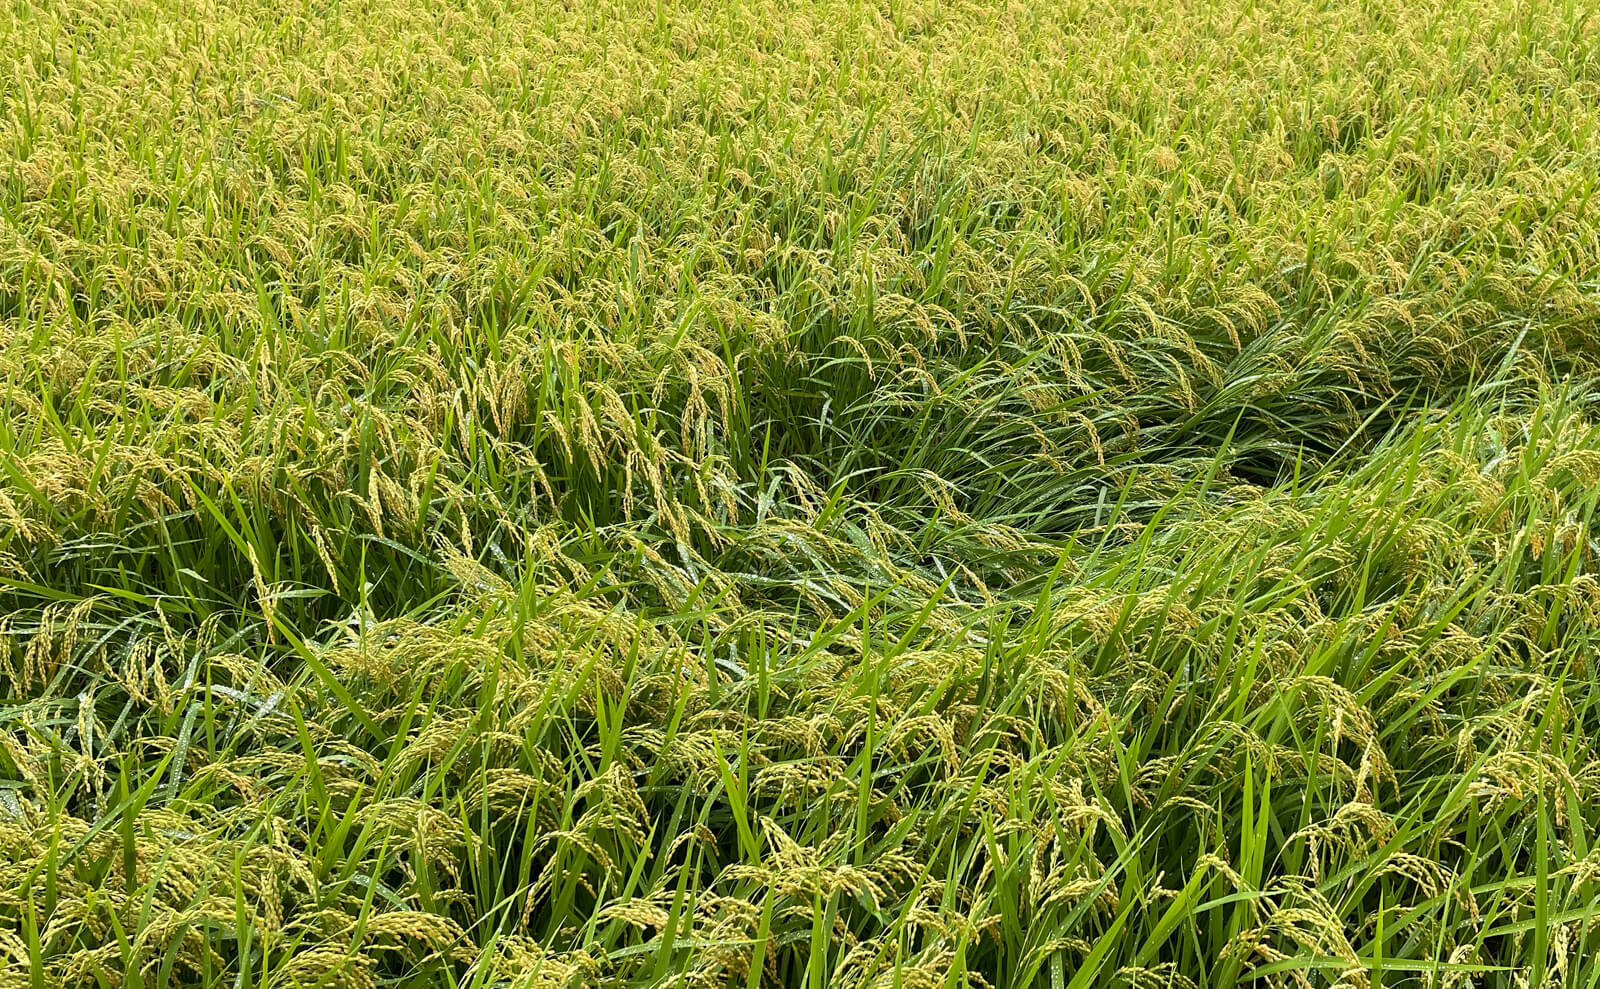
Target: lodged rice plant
{"x": 890, "y": 494}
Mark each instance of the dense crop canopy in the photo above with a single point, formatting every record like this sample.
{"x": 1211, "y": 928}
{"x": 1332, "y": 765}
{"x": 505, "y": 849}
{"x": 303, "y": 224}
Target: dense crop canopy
{"x": 866, "y": 493}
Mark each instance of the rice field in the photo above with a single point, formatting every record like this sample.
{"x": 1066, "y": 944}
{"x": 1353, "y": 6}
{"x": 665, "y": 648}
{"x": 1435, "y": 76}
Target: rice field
{"x": 886, "y": 494}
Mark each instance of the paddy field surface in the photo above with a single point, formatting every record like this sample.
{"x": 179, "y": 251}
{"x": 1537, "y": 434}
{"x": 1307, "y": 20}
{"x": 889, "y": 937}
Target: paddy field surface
{"x": 799, "y": 493}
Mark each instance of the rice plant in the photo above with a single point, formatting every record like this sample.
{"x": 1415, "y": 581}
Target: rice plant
{"x": 890, "y": 494}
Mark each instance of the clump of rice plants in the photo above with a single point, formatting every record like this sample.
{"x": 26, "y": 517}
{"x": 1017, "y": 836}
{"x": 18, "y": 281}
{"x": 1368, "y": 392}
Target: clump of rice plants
{"x": 916, "y": 493}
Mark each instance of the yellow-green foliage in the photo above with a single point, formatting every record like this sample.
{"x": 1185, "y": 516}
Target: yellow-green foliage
{"x": 840, "y": 493}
